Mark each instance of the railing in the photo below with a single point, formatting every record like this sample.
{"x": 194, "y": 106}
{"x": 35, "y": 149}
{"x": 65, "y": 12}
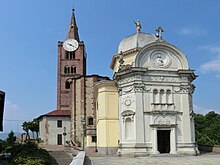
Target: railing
{"x": 79, "y": 159}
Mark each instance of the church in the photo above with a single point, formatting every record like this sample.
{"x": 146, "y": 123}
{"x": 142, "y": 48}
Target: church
{"x": 145, "y": 109}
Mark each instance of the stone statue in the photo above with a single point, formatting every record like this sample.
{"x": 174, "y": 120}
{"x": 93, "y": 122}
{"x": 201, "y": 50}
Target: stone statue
{"x": 138, "y": 25}
{"x": 121, "y": 61}
{"x": 159, "y": 61}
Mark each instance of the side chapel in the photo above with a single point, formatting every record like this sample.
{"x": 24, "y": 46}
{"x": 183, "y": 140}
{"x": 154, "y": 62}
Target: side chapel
{"x": 152, "y": 94}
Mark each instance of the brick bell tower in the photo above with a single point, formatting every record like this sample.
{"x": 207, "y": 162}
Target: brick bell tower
{"x": 71, "y": 65}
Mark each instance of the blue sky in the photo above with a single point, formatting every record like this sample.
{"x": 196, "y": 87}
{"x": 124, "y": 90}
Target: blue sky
{"x": 30, "y": 31}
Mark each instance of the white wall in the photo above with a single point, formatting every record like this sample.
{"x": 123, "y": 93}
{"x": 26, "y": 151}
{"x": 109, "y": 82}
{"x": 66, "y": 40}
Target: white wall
{"x": 50, "y": 137}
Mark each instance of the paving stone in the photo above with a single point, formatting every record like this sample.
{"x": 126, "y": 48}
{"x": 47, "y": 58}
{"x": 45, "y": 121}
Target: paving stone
{"x": 164, "y": 160}
{"x": 60, "y": 157}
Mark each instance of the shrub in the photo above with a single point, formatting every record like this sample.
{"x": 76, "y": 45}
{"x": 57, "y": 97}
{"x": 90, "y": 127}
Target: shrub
{"x": 29, "y": 154}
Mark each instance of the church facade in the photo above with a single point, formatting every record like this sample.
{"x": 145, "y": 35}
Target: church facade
{"x": 153, "y": 87}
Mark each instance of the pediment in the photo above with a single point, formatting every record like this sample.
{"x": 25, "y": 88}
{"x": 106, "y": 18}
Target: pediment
{"x": 161, "y": 55}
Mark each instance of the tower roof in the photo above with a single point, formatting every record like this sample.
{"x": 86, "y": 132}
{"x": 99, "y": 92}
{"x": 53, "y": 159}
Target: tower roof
{"x": 73, "y": 29}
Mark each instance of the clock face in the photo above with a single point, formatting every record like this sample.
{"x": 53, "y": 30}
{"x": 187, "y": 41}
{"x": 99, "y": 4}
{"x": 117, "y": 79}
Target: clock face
{"x": 70, "y": 45}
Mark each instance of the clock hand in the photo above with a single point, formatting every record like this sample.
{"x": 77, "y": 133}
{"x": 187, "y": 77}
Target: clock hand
{"x": 70, "y": 45}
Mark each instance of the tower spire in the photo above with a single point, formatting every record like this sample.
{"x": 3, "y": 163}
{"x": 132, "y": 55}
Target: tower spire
{"x": 73, "y": 29}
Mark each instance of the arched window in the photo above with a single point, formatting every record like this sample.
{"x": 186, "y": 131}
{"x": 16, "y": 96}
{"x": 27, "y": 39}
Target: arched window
{"x": 70, "y": 55}
{"x": 155, "y": 96}
{"x": 67, "y": 85}
{"x": 67, "y": 55}
{"x": 67, "y": 69}
{"x": 90, "y": 121}
{"x": 128, "y": 129}
{"x": 162, "y": 96}
{"x": 73, "y": 69}
{"x": 169, "y": 96}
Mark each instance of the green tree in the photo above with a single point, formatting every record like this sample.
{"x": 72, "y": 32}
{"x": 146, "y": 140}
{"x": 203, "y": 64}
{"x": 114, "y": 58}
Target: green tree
{"x": 34, "y": 126}
{"x": 26, "y": 127}
{"x": 207, "y": 128}
{"x": 11, "y": 139}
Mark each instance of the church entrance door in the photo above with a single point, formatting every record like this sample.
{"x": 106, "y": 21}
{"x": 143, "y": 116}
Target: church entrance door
{"x": 163, "y": 141}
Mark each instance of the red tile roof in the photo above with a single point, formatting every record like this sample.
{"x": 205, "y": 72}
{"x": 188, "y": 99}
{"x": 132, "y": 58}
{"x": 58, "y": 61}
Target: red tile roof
{"x": 57, "y": 113}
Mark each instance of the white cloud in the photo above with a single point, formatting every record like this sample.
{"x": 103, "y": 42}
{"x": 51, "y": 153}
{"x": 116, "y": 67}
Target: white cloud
{"x": 193, "y": 31}
{"x": 211, "y": 66}
{"x": 211, "y": 48}
{"x": 203, "y": 110}
{"x": 214, "y": 64}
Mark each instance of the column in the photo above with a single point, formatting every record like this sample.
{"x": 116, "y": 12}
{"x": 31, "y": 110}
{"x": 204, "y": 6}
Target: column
{"x": 155, "y": 147}
{"x": 173, "y": 141}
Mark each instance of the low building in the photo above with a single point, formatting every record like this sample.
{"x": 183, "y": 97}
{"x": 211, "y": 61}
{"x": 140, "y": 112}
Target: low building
{"x": 54, "y": 127}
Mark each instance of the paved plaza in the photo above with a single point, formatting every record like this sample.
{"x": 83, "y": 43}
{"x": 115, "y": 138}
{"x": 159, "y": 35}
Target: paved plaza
{"x": 62, "y": 157}
{"x": 204, "y": 159}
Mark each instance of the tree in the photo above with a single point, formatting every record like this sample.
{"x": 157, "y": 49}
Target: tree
{"x": 26, "y": 128}
{"x": 34, "y": 127}
{"x": 207, "y": 128}
{"x": 11, "y": 139}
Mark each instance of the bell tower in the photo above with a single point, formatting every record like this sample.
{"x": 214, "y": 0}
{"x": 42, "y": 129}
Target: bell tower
{"x": 71, "y": 65}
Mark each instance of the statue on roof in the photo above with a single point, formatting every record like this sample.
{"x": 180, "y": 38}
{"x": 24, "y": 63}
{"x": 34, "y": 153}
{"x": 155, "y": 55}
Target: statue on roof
{"x": 121, "y": 61}
{"x": 138, "y": 25}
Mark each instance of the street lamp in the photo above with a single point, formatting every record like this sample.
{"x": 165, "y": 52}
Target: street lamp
{"x": 64, "y": 134}
{"x": 83, "y": 133}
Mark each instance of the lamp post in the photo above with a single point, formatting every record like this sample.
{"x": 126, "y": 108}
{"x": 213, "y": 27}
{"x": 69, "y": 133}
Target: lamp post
{"x": 64, "y": 134}
{"x": 83, "y": 133}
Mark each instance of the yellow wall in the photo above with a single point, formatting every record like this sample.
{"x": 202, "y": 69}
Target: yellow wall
{"x": 89, "y": 142}
{"x": 107, "y": 114}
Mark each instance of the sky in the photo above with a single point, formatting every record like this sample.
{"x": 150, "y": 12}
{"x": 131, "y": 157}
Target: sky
{"x": 30, "y": 31}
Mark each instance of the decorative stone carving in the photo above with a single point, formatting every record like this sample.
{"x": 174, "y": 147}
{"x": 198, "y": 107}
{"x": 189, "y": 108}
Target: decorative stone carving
{"x": 185, "y": 89}
{"x": 161, "y": 78}
{"x": 128, "y": 89}
{"x": 176, "y": 89}
{"x": 164, "y": 120}
{"x": 160, "y": 59}
{"x": 120, "y": 91}
{"x": 127, "y": 101}
{"x": 126, "y": 80}
{"x": 137, "y": 76}
{"x": 147, "y": 88}
{"x": 139, "y": 87}
{"x": 128, "y": 113}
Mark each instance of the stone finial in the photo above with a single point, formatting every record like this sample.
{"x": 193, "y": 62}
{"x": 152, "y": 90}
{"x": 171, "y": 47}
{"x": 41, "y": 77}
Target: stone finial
{"x": 138, "y": 25}
{"x": 159, "y": 31}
